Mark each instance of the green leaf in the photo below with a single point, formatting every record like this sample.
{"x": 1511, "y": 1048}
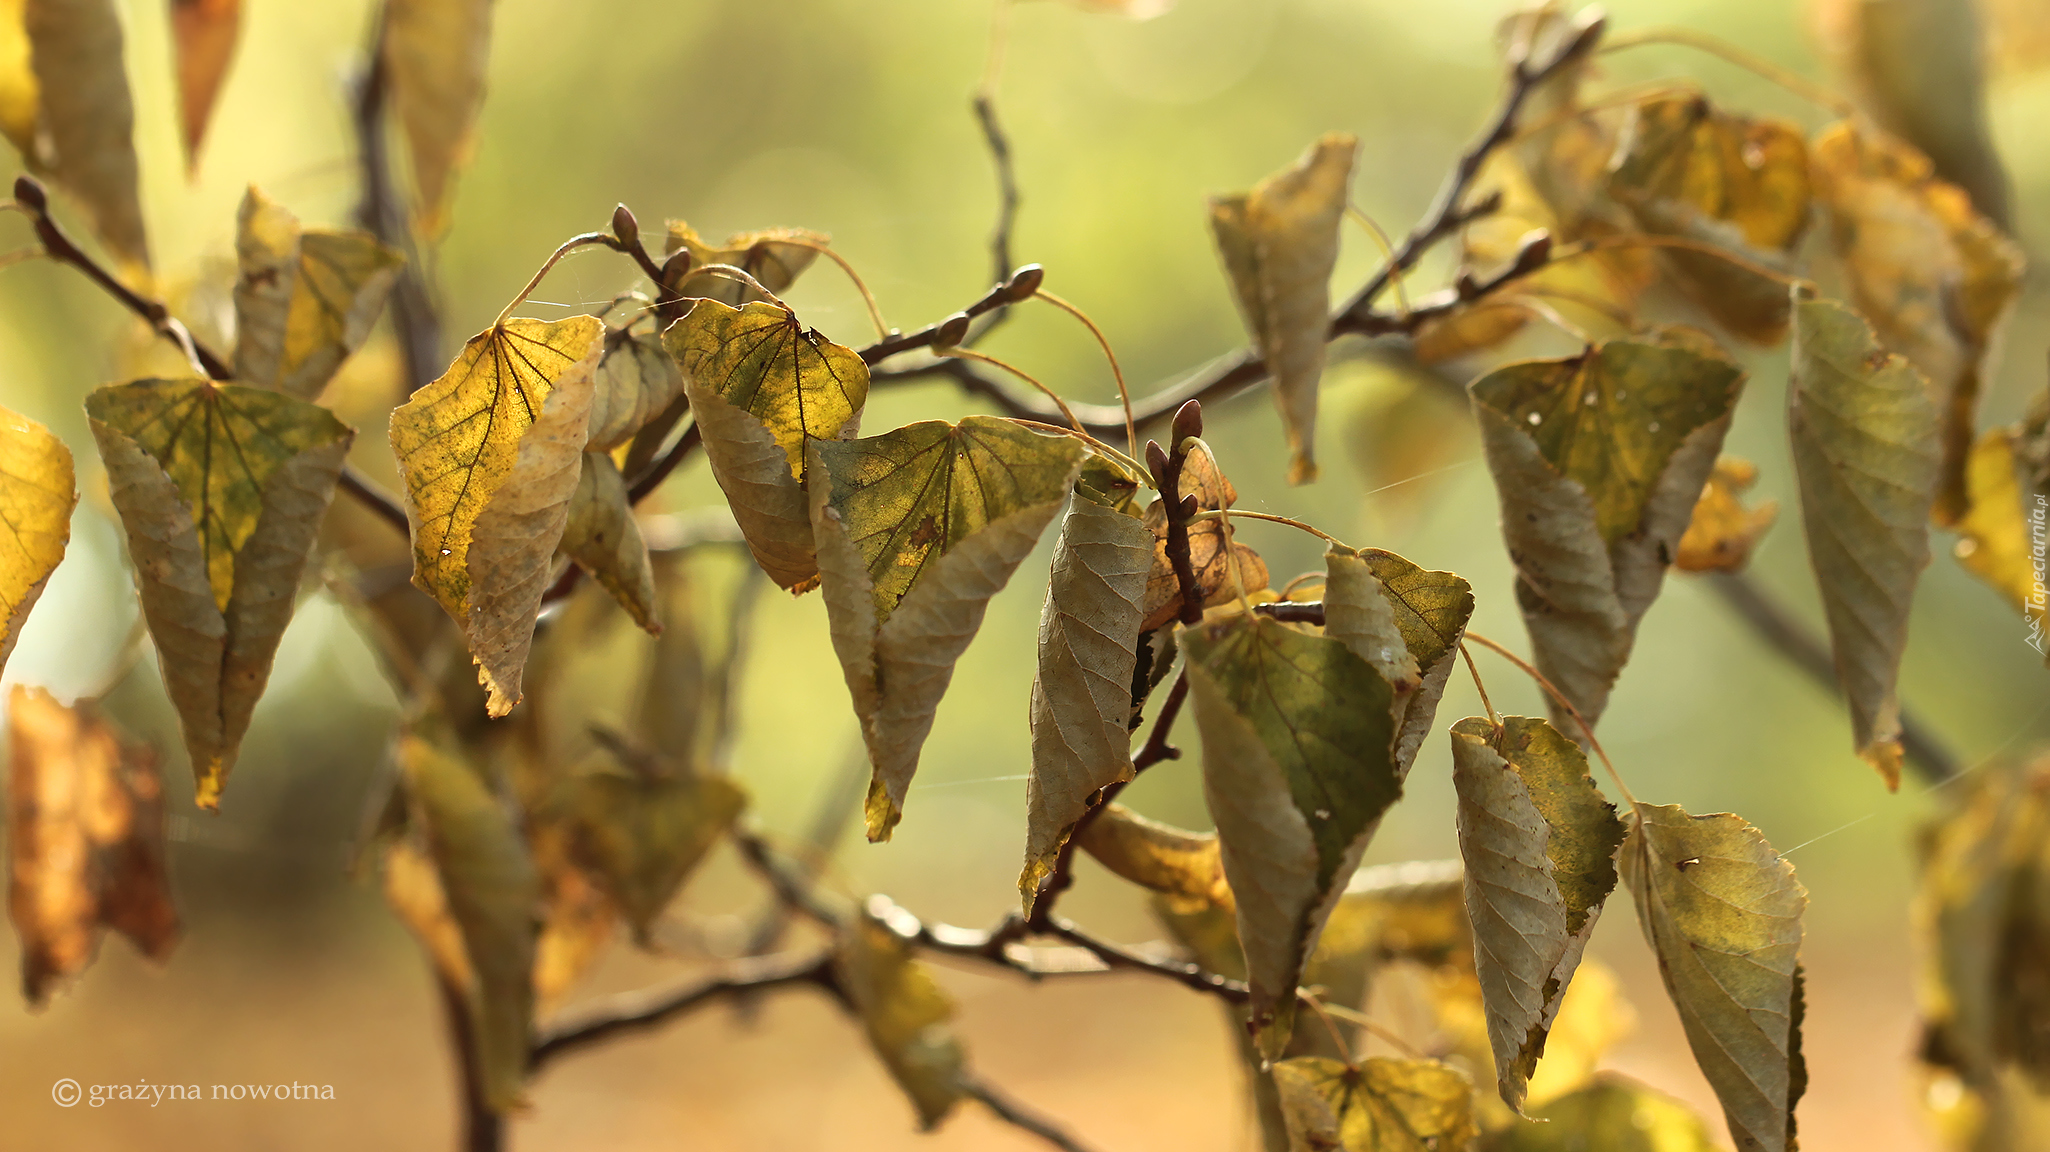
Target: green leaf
{"x": 1382, "y": 1105}
{"x": 916, "y": 530}
{"x": 761, "y": 386}
{"x": 1082, "y": 695}
{"x": 1298, "y": 768}
{"x": 1369, "y": 590}
{"x": 1613, "y": 1114}
{"x": 37, "y": 493}
{"x": 1280, "y": 242}
{"x": 491, "y": 454}
{"x": 604, "y": 539}
{"x": 1598, "y": 460}
{"x": 304, "y": 300}
{"x": 1539, "y": 843}
{"x": 907, "y": 1015}
{"x": 1722, "y": 911}
{"x": 83, "y": 135}
{"x": 1866, "y": 453}
{"x": 222, "y": 489}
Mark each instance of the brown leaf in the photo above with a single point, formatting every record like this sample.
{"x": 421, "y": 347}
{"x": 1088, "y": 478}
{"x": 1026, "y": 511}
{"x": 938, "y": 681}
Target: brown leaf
{"x": 637, "y": 381}
{"x": 436, "y": 53}
{"x": 85, "y": 834}
{"x": 204, "y": 34}
{"x": 775, "y": 257}
{"x": 304, "y": 298}
{"x": 1723, "y": 532}
{"x": 604, "y": 539}
{"x": 1214, "y": 564}
{"x": 86, "y": 120}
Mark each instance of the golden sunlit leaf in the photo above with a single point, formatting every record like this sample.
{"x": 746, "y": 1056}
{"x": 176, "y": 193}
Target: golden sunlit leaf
{"x": 907, "y": 1015}
{"x": 1598, "y": 461}
{"x": 222, "y": 489}
{"x": 85, "y": 119}
{"x": 1380, "y": 1105}
{"x": 1158, "y": 856}
{"x": 1722, "y": 911}
{"x": 775, "y": 257}
{"x": 1723, "y": 532}
{"x": 1686, "y": 169}
{"x": 916, "y": 530}
{"x": 1865, "y": 435}
{"x": 436, "y": 53}
{"x": 1220, "y": 571}
{"x": 19, "y": 98}
{"x": 1081, "y": 699}
{"x": 1613, "y": 1114}
{"x": 637, "y": 381}
{"x": 1567, "y": 150}
{"x": 37, "y": 493}
{"x": 577, "y": 918}
{"x": 604, "y": 539}
{"x": 204, "y": 33}
{"x": 760, "y": 387}
{"x": 1593, "y": 1018}
{"x": 1931, "y": 275}
{"x": 304, "y": 300}
{"x": 1280, "y": 242}
{"x": 491, "y": 454}
{"x": 1539, "y": 841}
{"x": 85, "y": 837}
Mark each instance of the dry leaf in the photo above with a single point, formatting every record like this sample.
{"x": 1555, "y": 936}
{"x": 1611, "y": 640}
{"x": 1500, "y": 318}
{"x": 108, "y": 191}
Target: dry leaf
{"x": 907, "y": 1015}
{"x": 204, "y": 34}
{"x": 1157, "y": 856}
{"x": 604, "y": 539}
{"x": 1613, "y": 1114}
{"x": 1722, "y": 532}
{"x": 637, "y": 381}
{"x": 775, "y": 257}
{"x": 1430, "y": 610}
{"x": 1379, "y": 1105}
{"x": 1220, "y": 572}
{"x": 85, "y": 119}
{"x": 1722, "y": 911}
{"x": 19, "y": 98}
{"x": 760, "y": 387}
{"x": 1866, "y": 453}
{"x": 491, "y": 454}
{"x": 1280, "y": 242}
{"x": 577, "y": 918}
{"x": 85, "y": 835}
{"x": 436, "y": 54}
{"x": 222, "y": 489}
{"x": 304, "y": 300}
{"x": 37, "y": 493}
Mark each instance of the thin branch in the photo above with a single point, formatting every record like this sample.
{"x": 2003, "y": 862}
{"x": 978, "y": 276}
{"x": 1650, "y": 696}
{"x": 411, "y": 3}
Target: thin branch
{"x": 1014, "y": 287}
{"x": 382, "y": 213}
{"x": 1019, "y": 1115}
{"x": 650, "y": 1008}
{"x": 483, "y": 1128}
{"x": 1007, "y": 180}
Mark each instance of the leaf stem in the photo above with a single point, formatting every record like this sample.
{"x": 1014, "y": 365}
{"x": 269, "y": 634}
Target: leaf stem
{"x": 1020, "y": 373}
{"x": 1715, "y": 46}
{"x": 733, "y": 272}
{"x": 1221, "y": 514}
{"x": 1124, "y": 395}
{"x": 875, "y": 310}
{"x": 1373, "y": 227}
{"x": 1494, "y": 717}
{"x": 1552, "y": 690}
{"x": 583, "y": 240}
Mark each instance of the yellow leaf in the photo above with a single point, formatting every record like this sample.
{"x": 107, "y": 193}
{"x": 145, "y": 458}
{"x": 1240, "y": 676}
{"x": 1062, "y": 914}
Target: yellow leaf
{"x": 1613, "y": 1114}
{"x": 1159, "y": 857}
{"x": 490, "y": 454}
{"x": 37, "y": 493}
{"x": 204, "y": 33}
{"x": 1931, "y": 275}
{"x": 916, "y": 530}
{"x": 576, "y": 919}
{"x": 1866, "y": 452}
{"x": 1723, "y": 532}
{"x": 1280, "y": 242}
{"x": 907, "y": 1015}
{"x": 2002, "y": 529}
{"x": 85, "y": 840}
{"x": 222, "y": 489}
{"x": 87, "y": 118}
{"x": 1380, "y": 1105}
{"x": 1221, "y": 571}
{"x": 1567, "y": 149}
{"x": 637, "y": 381}
{"x": 304, "y": 300}
{"x": 436, "y": 53}
{"x": 1722, "y": 911}
{"x": 604, "y": 539}
{"x": 18, "y": 96}
{"x": 775, "y": 257}
{"x": 1593, "y": 1018}
{"x": 1688, "y": 170}
{"x": 761, "y": 387}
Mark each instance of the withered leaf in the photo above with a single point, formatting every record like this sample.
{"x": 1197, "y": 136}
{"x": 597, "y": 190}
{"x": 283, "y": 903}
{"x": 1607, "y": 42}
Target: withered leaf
{"x": 1380, "y": 1105}
{"x": 1157, "y": 856}
{"x": 1428, "y": 612}
{"x": 604, "y": 539}
{"x": 1722, "y": 532}
{"x": 85, "y": 119}
{"x": 222, "y": 489}
{"x": 907, "y": 1015}
{"x": 636, "y": 382}
{"x": 1613, "y": 1114}
{"x": 775, "y": 257}
{"x": 85, "y": 836}
{"x": 304, "y": 299}
{"x": 1223, "y": 565}
{"x": 204, "y": 33}
{"x": 436, "y": 54}
{"x": 37, "y": 493}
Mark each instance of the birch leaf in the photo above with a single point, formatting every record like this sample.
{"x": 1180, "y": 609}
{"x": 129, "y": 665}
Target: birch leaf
{"x": 1280, "y": 242}
{"x": 1082, "y": 695}
{"x": 204, "y": 34}
{"x": 86, "y": 118}
{"x": 1613, "y": 1114}
{"x": 760, "y": 387}
{"x": 907, "y": 1015}
{"x": 1931, "y": 275}
{"x": 1865, "y": 436}
{"x": 85, "y": 836}
{"x": 1722, "y": 911}
{"x": 1688, "y": 170}
{"x": 917, "y": 529}
{"x": 1722, "y": 531}
{"x": 436, "y": 53}
{"x": 1158, "y": 857}
{"x": 636, "y": 382}
{"x": 775, "y": 257}
{"x": 491, "y": 454}
{"x": 1382, "y": 1105}
{"x": 37, "y": 493}
{"x": 604, "y": 539}
{"x": 1213, "y": 551}
{"x": 643, "y": 830}
{"x": 1298, "y": 768}
{"x": 1539, "y": 843}
{"x": 1598, "y": 460}
{"x": 1427, "y": 611}
{"x": 491, "y": 892}
{"x": 222, "y": 489}
{"x": 304, "y": 300}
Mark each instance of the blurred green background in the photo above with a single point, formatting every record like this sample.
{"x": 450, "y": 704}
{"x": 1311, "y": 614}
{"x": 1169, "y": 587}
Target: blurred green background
{"x": 851, "y": 117}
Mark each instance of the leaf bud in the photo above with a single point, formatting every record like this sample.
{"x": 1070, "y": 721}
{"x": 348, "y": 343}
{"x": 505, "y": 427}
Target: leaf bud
{"x": 625, "y": 228}
{"x": 951, "y": 331}
{"x": 1023, "y": 283}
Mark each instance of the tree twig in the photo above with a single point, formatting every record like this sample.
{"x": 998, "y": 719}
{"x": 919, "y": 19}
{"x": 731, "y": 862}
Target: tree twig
{"x": 1018, "y": 1115}
{"x": 382, "y": 213}
{"x": 643, "y": 1010}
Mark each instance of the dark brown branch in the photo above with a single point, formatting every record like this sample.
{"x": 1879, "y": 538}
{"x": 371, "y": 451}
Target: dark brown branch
{"x": 384, "y": 215}
{"x": 1018, "y": 286}
{"x": 1007, "y": 181}
{"x": 640, "y": 1011}
{"x": 639, "y": 488}
{"x": 1020, "y": 1116}
{"x": 483, "y": 1128}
